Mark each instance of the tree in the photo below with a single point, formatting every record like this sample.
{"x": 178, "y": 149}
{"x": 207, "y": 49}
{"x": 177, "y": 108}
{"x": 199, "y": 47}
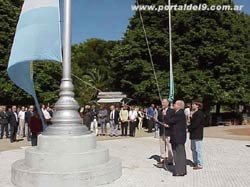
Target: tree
{"x": 210, "y": 55}
{"x": 9, "y": 11}
{"x": 46, "y": 75}
{"x": 91, "y": 63}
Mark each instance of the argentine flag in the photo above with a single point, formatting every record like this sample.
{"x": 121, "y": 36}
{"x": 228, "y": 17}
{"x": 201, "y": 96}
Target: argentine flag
{"x": 37, "y": 38}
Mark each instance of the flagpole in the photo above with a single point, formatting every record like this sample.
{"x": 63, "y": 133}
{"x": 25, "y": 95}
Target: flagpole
{"x": 66, "y": 120}
{"x": 66, "y": 142}
{"x": 171, "y": 83}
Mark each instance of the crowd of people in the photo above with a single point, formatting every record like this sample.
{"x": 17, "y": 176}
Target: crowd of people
{"x": 172, "y": 123}
{"x": 122, "y": 121}
{"x": 22, "y": 122}
{"x": 175, "y": 122}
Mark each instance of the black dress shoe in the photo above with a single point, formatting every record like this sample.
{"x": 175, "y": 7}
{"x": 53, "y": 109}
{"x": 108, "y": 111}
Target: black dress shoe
{"x": 170, "y": 163}
{"x": 159, "y": 165}
{"x": 179, "y": 175}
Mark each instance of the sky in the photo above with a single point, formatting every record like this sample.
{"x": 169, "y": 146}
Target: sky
{"x": 107, "y": 19}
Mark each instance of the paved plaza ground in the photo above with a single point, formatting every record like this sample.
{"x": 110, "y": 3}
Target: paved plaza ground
{"x": 226, "y": 158}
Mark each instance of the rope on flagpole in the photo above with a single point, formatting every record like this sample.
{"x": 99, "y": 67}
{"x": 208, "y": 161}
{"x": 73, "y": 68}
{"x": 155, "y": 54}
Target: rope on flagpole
{"x": 149, "y": 51}
{"x": 160, "y": 123}
{"x": 86, "y": 82}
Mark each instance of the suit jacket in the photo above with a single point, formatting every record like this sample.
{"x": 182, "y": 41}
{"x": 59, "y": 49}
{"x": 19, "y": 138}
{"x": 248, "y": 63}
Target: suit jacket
{"x": 164, "y": 119}
{"x": 117, "y": 112}
{"x": 116, "y": 116}
{"x": 196, "y": 126}
{"x": 12, "y": 120}
{"x": 178, "y": 128}
{"x": 4, "y": 118}
{"x": 28, "y": 115}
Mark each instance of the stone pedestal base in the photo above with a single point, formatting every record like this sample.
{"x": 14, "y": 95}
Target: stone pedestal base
{"x": 65, "y": 161}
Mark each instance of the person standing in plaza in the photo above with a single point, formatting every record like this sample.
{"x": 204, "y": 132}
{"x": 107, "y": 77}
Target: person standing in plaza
{"x": 4, "y": 122}
{"x": 124, "y": 120}
{"x": 94, "y": 124}
{"x": 178, "y": 136}
{"x": 114, "y": 120}
{"x": 13, "y": 120}
{"x": 28, "y": 115}
{"x": 187, "y": 112}
{"x": 87, "y": 116}
{"x": 102, "y": 117}
{"x": 196, "y": 134}
{"x": 132, "y": 115}
{"x": 46, "y": 115}
{"x": 21, "y": 117}
{"x": 164, "y": 115}
{"x": 150, "y": 117}
{"x": 141, "y": 117}
{"x": 35, "y": 127}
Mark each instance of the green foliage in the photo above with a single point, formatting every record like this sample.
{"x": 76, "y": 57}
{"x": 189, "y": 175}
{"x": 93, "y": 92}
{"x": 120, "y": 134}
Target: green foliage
{"x": 91, "y": 63}
{"x": 211, "y": 52}
{"x": 9, "y": 12}
{"x": 210, "y": 55}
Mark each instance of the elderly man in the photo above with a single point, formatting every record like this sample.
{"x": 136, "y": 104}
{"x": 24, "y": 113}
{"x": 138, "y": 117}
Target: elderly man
{"x": 114, "y": 120}
{"x": 165, "y": 147}
{"x": 178, "y": 136}
{"x": 13, "y": 120}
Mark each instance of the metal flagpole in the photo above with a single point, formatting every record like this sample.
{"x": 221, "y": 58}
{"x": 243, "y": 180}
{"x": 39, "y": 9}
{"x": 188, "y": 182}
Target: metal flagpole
{"x": 66, "y": 120}
{"x": 171, "y": 80}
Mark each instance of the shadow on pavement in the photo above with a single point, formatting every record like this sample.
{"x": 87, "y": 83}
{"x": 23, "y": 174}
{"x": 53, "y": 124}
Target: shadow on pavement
{"x": 19, "y": 140}
{"x": 166, "y": 165}
{"x": 190, "y": 163}
{"x": 155, "y": 157}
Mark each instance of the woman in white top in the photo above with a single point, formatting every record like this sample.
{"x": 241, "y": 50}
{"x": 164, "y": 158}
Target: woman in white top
{"x": 132, "y": 115}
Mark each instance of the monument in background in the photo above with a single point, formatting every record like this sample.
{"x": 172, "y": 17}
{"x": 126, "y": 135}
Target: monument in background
{"x": 67, "y": 154}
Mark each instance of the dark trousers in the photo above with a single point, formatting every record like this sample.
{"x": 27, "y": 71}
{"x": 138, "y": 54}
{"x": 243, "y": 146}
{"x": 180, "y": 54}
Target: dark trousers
{"x": 29, "y": 134}
{"x": 132, "y": 127}
{"x": 150, "y": 124}
{"x": 34, "y": 139}
{"x": 124, "y": 126}
{"x": 13, "y": 131}
{"x": 4, "y": 127}
{"x": 179, "y": 154}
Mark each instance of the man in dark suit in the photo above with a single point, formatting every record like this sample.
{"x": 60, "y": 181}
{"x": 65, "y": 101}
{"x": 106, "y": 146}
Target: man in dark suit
{"x": 164, "y": 115}
{"x": 28, "y": 115}
{"x": 178, "y": 136}
{"x": 13, "y": 120}
{"x": 4, "y": 122}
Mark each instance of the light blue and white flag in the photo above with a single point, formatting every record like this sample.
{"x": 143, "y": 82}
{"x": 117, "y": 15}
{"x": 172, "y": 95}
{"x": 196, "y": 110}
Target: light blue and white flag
{"x": 37, "y": 38}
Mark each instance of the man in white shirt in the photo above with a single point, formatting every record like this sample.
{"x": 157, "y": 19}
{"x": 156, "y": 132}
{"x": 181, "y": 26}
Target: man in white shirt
{"x": 132, "y": 115}
{"x": 46, "y": 114}
{"x": 21, "y": 117}
{"x": 187, "y": 112}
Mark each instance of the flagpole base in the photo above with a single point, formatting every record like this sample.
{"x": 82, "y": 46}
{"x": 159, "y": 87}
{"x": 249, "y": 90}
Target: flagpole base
{"x": 63, "y": 161}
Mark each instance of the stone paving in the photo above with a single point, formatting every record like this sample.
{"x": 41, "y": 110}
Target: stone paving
{"x": 227, "y": 164}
